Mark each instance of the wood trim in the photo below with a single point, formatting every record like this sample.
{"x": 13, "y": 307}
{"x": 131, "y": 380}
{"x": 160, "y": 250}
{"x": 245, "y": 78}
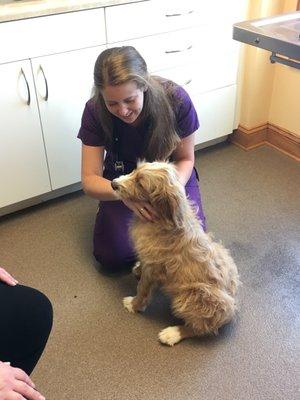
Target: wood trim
{"x": 248, "y": 139}
{"x": 267, "y": 134}
{"x": 255, "y": 129}
{"x": 298, "y": 5}
{"x": 284, "y": 141}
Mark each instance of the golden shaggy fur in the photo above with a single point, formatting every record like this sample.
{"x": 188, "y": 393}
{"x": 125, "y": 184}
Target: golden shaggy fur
{"x": 176, "y": 255}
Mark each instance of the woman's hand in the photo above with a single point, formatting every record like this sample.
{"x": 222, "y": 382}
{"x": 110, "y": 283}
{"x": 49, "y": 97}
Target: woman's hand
{"x": 7, "y": 278}
{"x": 143, "y": 210}
{"x": 16, "y": 384}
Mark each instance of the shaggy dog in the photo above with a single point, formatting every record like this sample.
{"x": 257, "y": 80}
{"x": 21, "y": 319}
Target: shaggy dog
{"x": 176, "y": 255}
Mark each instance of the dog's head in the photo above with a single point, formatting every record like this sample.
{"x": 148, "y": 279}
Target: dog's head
{"x": 156, "y": 183}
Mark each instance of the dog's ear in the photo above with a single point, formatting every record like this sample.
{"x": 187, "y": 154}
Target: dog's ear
{"x": 168, "y": 206}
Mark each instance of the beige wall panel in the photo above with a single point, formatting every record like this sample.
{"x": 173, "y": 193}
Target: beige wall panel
{"x": 267, "y": 92}
{"x": 285, "y": 104}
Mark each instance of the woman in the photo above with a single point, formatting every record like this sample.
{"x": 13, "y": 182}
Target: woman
{"x": 25, "y": 324}
{"x": 132, "y": 116}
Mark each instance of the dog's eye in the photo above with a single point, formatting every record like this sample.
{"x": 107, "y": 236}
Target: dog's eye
{"x": 142, "y": 183}
{"x": 138, "y": 183}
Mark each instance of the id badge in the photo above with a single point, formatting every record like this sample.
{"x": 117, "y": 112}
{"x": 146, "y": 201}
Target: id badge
{"x": 119, "y": 166}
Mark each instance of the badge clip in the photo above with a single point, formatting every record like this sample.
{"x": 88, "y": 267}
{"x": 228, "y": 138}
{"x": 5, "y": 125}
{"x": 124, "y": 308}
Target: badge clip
{"x": 119, "y": 166}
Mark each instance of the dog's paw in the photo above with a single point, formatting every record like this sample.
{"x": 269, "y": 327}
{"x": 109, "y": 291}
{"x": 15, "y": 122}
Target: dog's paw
{"x": 170, "y": 335}
{"x": 127, "y": 303}
{"x": 137, "y": 264}
{"x": 137, "y": 270}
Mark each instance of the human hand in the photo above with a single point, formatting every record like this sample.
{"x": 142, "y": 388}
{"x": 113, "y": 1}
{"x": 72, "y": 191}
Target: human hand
{"x": 142, "y": 209}
{"x": 7, "y": 278}
{"x": 16, "y": 384}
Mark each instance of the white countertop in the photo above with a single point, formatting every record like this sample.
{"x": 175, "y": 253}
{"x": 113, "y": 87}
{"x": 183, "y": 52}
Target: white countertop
{"x": 15, "y": 10}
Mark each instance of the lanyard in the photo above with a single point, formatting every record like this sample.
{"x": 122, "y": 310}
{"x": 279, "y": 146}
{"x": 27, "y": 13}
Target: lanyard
{"x": 118, "y": 164}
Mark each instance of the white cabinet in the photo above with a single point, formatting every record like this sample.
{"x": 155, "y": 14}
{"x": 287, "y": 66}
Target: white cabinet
{"x": 39, "y": 151}
{"x": 23, "y": 165}
{"x": 64, "y": 82}
{"x": 188, "y": 42}
{"x": 215, "y": 110}
{"x": 214, "y": 59}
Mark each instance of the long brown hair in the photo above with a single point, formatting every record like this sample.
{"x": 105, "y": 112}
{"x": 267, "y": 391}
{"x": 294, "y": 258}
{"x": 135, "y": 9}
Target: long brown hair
{"x": 119, "y": 65}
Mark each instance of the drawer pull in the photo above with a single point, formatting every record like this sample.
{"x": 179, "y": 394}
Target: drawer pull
{"x": 187, "y": 82}
{"x": 179, "y": 14}
{"x": 28, "y": 90}
{"x": 46, "y": 84}
{"x": 178, "y": 51}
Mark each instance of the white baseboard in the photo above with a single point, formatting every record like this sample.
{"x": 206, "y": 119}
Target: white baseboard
{"x": 210, "y": 143}
{"x": 40, "y": 199}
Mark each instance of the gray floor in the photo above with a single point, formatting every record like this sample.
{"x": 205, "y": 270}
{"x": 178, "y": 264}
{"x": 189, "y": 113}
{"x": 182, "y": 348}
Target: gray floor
{"x": 98, "y": 351}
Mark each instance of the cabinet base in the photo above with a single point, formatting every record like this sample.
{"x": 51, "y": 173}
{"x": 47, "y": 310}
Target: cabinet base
{"x": 40, "y": 199}
{"x": 211, "y": 142}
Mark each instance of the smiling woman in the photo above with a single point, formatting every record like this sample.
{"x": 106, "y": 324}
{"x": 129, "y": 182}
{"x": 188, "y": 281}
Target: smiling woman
{"x": 132, "y": 115}
{"x": 125, "y": 101}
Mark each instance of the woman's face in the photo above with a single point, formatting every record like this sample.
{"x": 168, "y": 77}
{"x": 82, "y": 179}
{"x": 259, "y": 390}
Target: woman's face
{"x": 125, "y": 101}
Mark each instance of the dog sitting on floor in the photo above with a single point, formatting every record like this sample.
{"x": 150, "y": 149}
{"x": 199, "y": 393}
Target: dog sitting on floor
{"x": 176, "y": 255}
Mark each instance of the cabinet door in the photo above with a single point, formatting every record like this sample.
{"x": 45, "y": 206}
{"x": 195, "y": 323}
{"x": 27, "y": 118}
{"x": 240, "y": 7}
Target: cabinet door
{"x": 23, "y": 165}
{"x": 215, "y": 111}
{"x": 64, "y": 83}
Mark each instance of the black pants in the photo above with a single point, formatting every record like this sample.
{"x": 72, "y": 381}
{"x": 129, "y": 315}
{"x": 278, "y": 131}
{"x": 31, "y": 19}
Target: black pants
{"x": 25, "y": 324}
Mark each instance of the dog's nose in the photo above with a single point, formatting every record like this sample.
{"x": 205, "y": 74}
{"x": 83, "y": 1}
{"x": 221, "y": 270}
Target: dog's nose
{"x": 114, "y": 185}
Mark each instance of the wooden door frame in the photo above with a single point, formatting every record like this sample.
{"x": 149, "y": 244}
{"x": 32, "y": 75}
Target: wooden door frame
{"x": 298, "y": 5}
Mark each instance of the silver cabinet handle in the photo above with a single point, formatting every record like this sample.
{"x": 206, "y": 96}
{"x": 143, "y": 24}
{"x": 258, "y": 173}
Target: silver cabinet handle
{"x": 46, "y": 84}
{"x": 28, "y": 90}
{"x": 187, "y": 82}
{"x": 179, "y": 14}
{"x": 178, "y": 51}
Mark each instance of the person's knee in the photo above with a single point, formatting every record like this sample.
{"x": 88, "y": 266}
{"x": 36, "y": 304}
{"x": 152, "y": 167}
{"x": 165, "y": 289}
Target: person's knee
{"x": 115, "y": 262}
{"x": 27, "y": 321}
{"x": 45, "y": 308}
{"x": 40, "y": 314}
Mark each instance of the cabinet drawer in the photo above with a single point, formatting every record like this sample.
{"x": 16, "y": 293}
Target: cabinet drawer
{"x": 209, "y": 40}
{"x": 52, "y": 34}
{"x": 181, "y": 75}
{"x": 204, "y": 74}
{"x": 220, "y": 11}
{"x": 215, "y": 111}
{"x": 215, "y": 71}
{"x": 147, "y": 18}
{"x": 165, "y": 50}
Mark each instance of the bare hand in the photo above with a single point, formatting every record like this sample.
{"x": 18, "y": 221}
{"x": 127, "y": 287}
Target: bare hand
{"x": 16, "y": 384}
{"x": 143, "y": 210}
{"x": 7, "y": 278}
